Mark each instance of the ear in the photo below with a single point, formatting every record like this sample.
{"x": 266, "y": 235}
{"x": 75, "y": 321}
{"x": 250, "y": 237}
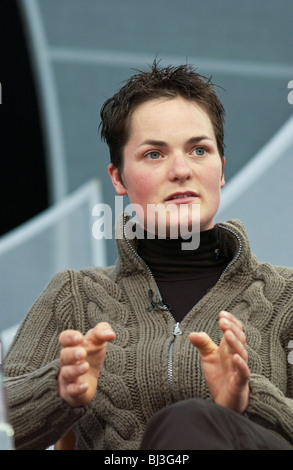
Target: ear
{"x": 223, "y": 182}
{"x": 117, "y": 183}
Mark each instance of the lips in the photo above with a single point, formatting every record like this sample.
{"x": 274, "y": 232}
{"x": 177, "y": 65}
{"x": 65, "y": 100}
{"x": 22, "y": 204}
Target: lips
{"x": 181, "y": 197}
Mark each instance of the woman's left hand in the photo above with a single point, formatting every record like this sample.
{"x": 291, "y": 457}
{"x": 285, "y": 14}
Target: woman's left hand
{"x": 225, "y": 366}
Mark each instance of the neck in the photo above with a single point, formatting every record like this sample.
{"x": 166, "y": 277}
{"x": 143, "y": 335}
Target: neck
{"x": 183, "y": 276}
{"x": 166, "y": 256}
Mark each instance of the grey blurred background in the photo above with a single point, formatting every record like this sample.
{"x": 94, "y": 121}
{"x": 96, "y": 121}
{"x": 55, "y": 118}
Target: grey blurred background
{"x": 80, "y": 51}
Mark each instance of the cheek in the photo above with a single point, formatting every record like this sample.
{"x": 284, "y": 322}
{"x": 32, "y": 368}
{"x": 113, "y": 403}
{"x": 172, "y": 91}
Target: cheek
{"x": 212, "y": 180}
{"x": 141, "y": 194}
{"x": 139, "y": 188}
{"x": 211, "y": 188}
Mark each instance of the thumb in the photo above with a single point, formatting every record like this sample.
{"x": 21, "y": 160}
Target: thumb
{"x": 203, "y": 343}
{"x": 98, "y": 335}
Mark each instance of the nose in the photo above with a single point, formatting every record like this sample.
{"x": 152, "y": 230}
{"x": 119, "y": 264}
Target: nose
{"x": 180, "y": 168}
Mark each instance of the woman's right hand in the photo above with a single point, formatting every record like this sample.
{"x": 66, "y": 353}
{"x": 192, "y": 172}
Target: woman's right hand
{"x": 81, "y": 360}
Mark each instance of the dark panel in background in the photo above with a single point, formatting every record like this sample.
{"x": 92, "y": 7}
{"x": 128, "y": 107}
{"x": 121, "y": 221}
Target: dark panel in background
{"x": 23, "y": 182}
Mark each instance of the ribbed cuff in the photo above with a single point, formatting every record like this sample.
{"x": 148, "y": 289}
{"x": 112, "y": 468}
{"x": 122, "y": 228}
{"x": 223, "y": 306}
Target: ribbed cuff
{"x": 39, "y": 416}
{"x": 269, "y": 407}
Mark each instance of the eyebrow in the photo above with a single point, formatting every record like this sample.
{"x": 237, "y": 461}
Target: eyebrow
{"x": 195, "y": 140}
{"x": 161, "y": 143}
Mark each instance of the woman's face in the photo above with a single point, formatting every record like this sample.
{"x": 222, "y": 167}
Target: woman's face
{"x": 171, "y": 160}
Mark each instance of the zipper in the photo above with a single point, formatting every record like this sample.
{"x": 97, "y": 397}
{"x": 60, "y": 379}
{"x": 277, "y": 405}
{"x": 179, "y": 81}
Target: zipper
{"x": 233, "y": 261}
{"x": 177, "y": 331}
{"x": 160, "y": 304}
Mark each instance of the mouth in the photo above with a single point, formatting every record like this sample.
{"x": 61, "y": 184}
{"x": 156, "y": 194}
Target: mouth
{"x": 182, "y": 198}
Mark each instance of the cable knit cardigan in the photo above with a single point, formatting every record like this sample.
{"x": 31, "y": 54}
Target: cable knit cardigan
{"x": 148, "y": 366}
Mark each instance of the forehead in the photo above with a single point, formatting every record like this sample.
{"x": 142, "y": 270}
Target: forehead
{"x": 165, "y": 115}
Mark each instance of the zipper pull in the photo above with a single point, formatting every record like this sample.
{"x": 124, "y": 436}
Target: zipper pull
{"x": 177, "y": 330}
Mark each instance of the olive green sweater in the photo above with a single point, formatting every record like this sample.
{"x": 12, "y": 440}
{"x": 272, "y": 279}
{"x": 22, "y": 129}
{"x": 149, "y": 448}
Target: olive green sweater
{"x": 147, "y": 366}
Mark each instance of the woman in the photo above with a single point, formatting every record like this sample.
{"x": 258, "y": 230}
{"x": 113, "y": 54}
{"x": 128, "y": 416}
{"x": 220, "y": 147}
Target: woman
{"x": 164, "y": 326}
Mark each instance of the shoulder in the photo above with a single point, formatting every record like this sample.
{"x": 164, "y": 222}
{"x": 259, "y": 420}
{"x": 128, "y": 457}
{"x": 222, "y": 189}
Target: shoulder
{"x": 233, "y": 231}
{"x": 74, "y": 280}
{"x": 285, "y": 272}
{"x": 72, "y": 286}
{"x": 93, "y": 282}
{"x": 75, "y": 297}
{"x": 92, "y": 272}
{"x": 276, "y": 281}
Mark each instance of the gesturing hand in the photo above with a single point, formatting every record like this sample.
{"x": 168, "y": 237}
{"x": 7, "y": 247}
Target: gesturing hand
{"x": 81, "y": 360}
{"x": 225, "y": 366}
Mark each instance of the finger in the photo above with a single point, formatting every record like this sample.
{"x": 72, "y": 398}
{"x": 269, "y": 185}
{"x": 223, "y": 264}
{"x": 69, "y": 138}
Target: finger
{"x": 203, "y": 343}
{"x": 72, "y": 355}
{"x": 243, "y": 372}
{"x": 229, "y": 322}
{"x": 70, "y": 338}
{"x": 72, "y": 372}
{"x": 98, "y": 336}
{"x": 235, "y": 346}
{"x": 229, "y": 316}
{"x": 76, "y": 389}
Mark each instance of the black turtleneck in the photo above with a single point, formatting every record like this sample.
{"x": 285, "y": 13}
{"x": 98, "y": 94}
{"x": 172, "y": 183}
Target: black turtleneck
{"x": 184, "y": 276}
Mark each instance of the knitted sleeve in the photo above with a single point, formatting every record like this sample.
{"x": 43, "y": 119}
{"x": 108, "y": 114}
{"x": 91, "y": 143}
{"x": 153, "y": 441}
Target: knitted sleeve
{"x": 37, "y": 413}
{"x": 269, "y": 331}
{"x": 270, "y": 408}
{"x": 271, "y": 405}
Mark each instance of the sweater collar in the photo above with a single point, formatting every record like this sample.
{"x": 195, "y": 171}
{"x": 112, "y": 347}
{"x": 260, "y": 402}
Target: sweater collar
{"x": 167, "y": 259}
{"x": 232, "y": 239}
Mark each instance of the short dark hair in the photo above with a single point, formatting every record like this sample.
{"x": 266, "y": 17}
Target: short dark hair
{"x": 170, "y": 81}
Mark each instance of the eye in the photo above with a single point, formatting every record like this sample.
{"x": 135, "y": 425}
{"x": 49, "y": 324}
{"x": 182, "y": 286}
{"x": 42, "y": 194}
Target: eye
{"x": 199, "y": 151}
{"x": 154, "y": 155}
